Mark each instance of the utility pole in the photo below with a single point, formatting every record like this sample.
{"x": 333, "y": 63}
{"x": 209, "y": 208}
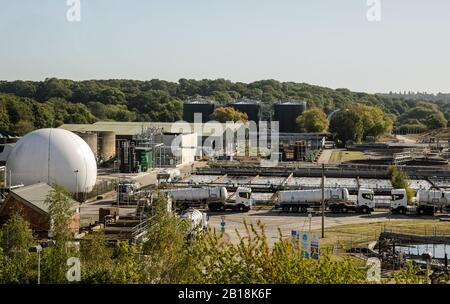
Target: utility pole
{"x": 323, "y": 200}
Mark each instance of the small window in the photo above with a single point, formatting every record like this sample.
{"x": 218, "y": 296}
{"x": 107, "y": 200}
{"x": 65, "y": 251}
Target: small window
{"x": 245, "y": 195}
{"x": 397, "y": 197}
{"x": 368, "y": 196}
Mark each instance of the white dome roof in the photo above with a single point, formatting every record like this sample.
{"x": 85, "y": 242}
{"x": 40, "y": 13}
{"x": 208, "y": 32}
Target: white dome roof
{"x": 53, "y": 156}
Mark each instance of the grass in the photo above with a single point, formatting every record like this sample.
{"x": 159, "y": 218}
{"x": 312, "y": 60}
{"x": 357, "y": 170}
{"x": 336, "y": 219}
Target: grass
{"x": 338, "y": 157}
{"x": 362, "y": 234}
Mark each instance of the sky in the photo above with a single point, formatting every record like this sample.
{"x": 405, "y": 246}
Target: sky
{"x": 323, "y": 42}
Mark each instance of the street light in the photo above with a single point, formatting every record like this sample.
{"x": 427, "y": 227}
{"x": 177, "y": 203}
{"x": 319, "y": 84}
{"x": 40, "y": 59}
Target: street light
{"x": 76, "y": 182}
{"x": 38, "y": 249}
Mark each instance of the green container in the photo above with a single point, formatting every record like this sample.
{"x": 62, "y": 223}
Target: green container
{"x": 145, "y": 160}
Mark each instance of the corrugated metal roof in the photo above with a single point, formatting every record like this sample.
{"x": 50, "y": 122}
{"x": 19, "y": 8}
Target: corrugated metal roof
{"x": 131, "y": 128}
{"x": 36, "y": 195}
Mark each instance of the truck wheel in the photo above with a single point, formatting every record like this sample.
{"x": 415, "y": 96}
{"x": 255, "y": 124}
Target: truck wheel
{"x": 295, "y": 209}
{"x": 344, "y": 209}
{"x": 241, "y": 208}
{"x": 421, "y": 211}
{"x": 365, "y": 210}
{"x": 285, "y": 209}
{"x": 402, "y": 211}
{"x": 303, "y": 209}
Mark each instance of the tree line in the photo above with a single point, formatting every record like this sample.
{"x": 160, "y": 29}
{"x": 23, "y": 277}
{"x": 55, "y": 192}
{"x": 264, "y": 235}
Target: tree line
{"x": 26, "y": 105}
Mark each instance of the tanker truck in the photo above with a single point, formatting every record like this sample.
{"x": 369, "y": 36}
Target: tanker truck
{"x": 426, "y": 202}
{"x": 196, "y": 220}
{"x": 337, "y": 200}
{"x": 216, "y": 198}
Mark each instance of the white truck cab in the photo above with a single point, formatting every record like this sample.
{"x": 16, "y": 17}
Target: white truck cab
{"x": 365, "y": 199}
{"x": 399, "y": 201}
{"x": 244, "y": 197}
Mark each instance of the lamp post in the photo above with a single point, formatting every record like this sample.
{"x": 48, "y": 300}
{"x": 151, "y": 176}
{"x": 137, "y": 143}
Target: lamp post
{"x": 76, "y": 183}
{"x": 38, "y": 249}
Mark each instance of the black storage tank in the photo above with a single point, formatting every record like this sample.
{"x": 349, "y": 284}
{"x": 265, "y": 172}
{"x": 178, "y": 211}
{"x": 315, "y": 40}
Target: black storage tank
{"x": 204, "y": 107}
{"x": 286, "y": 113}
{"x": 250, "y": 107}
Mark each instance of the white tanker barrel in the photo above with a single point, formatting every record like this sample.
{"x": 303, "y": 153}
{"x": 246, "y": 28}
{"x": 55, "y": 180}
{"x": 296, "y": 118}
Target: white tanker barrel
{"x": 314, "y": 195}
{"x": 194, "y": 217}
{"x": 433, "y": 196}
{"x": 199, "y": 194}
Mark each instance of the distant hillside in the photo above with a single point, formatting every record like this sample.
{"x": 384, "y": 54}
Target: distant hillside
{"x": 25, "y": 105}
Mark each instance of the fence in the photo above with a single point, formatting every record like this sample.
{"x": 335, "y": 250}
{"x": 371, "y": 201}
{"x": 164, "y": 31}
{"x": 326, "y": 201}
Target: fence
{"x": 101, "y": 188}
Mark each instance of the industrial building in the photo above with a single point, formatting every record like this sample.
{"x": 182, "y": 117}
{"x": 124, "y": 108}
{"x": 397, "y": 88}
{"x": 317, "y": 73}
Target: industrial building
{"x": 203, "y": 107}
{"x": 156, "y": 149}
{"x": 286, "y": 113}
{"x": 130, "y": 131}
{"x": 7, "y": 142}
{"x": 29, "y": 202}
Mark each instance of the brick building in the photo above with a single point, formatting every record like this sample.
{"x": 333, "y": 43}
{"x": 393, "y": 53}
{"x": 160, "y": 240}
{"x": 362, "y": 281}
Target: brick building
{"x": 29, "y": 201}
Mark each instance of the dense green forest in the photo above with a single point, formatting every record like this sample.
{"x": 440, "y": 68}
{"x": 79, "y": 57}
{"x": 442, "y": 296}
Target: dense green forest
{"x": 26, "y": 105}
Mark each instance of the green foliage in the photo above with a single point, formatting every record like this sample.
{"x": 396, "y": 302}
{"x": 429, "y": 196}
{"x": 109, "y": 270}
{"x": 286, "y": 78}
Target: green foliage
{"x": 96, "y": 256}
{"x": 360, "y": 121}
{"x": 409, "y": 275}
{"x": 252, "y": 261}
{"x": 347, "y": 125}
{"x": 56, "y": 101}
{"x": 225, "y": 114}
{"x": 55, "y": 257}
{"x": 165, "y": 249}
{"x": 374, "y": 121}
{"x": 127, "y": 267}
{"x": 60, "y": 210}
{"x": 436, "y": 121}
{"x": 313, "y": 120}
{"x": 16, "y": 262}
{"x": 399, "y": 180}
{"x": 167, "y": 257}
{"x": 423, "y": 114}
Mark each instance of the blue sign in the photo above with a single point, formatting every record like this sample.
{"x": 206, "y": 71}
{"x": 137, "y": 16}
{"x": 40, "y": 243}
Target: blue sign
{"x": 315, "y": 253}
{"x": 222, "y": 226}
{"x": 304, "y": 240}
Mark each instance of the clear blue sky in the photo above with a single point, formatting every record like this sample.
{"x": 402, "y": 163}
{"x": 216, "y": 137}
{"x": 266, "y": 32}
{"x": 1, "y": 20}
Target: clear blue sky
{"x": 324, "y": 42}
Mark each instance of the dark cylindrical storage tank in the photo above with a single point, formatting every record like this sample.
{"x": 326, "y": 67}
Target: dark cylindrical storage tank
{"x": 107, "y": 145}
{"x": 250, "y": 107}
{"x": 286, "y": 113}
{"x": 204, "y": 107}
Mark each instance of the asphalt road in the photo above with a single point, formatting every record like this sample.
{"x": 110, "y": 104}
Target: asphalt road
{"x": 274, "y": 220}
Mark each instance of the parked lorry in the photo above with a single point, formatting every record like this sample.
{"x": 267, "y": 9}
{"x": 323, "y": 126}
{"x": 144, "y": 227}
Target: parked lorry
{"x": 216, "y": 198}
{"x": 426, "y": 202}
{"x": 126, "y": 190}
{"x": 337, "y": 200}
{"x": 168, "y": 176}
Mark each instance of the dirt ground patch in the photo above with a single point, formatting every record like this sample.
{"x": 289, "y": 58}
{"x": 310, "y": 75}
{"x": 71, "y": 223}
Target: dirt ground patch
{"x": 338, "y": 157}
